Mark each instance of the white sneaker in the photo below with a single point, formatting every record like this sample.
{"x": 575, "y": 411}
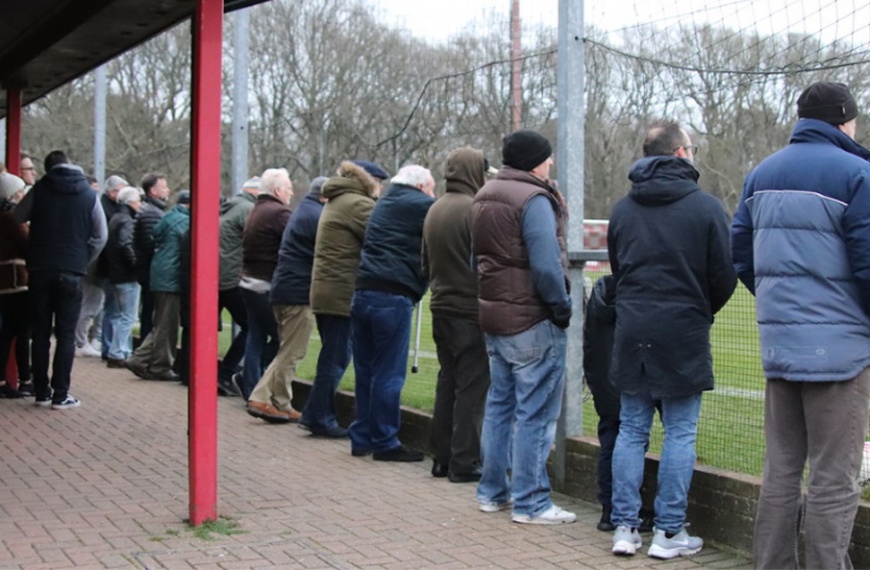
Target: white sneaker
{"x": 681, "y": 544}
{"x": 626, "y": 541}
{"x": 553, "y": 515}
{"x": 97, "y": 345}
{"x": 88, "y": 350}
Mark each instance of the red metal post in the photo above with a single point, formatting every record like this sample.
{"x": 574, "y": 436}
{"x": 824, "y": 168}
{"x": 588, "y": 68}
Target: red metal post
{"x": 205, "y": 188}
{"x": 13, "y": 165}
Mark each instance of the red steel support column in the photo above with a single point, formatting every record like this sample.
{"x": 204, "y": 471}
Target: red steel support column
{"x": 205, "y": 187}
{"x": 13, "y": 165}
{"x": 13, "y": 130}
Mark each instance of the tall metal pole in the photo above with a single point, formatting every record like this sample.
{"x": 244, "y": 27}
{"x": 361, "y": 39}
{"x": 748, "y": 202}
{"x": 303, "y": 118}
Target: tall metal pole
{"x": 516, "y": 67}
{"x": 571, "y": 112}
{"x": 241, "y": 68}
{"x": 100, "y": 91}
{"x": 205, "y": 173}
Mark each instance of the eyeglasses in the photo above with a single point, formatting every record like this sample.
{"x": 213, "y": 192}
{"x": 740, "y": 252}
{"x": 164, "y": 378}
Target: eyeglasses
{"x": 693, "y": 148}
{"x": 28, "y": 168}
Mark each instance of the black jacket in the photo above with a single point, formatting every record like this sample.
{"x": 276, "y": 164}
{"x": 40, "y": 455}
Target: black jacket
{"x": 119, "y": 253}
{"x": 668, "y": 244}
{"x": 149, "y": 214}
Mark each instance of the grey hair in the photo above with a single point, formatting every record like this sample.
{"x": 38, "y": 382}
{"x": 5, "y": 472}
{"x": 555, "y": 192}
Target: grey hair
{"x": 412, "y": 175}
{"x": 113, "y": 182}
{"x": 128, "y": 195}
{"x": 271, "y": 178}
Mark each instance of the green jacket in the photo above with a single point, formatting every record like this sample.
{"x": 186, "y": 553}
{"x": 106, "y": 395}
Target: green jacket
{"x": 166, "y": 263}
{"x": 339, "y": 239}
{"x": 234, "y": 214}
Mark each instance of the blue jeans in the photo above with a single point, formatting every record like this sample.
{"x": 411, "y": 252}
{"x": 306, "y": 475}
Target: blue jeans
{"x": 125, "y": 297}
{"x": 261, "y": 344}
{"x": 54, "y": 296}
{"x": 332, "y": 362}
{"x": 381, "y": 335}
{"x": 527, "y": 379}
{"x": 677, "y": 464}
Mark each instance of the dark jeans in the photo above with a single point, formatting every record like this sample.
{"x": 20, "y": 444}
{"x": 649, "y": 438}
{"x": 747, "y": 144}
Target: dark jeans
{"x": 460, "y": 394}
{"x": 334, "y": 358}
{"x": 261, "y": 345}
{"x": 381, "y": 335}
{"x": 146, "y": 315}
{"x": 55, "y": 297}
{"x": 605, "y": 396}
{"x": 232, "y": 301}
{"x": 15, "y": 327}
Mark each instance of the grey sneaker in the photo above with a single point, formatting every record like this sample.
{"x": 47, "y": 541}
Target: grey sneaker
{"x": 681, "y": 544}
{"x": 491, "y": 507}
{"x": 626, "y": 541}
{"x": 553, "y": 515}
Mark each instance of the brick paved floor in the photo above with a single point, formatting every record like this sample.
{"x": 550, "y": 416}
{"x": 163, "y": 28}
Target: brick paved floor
{"x": 105, "y": 486}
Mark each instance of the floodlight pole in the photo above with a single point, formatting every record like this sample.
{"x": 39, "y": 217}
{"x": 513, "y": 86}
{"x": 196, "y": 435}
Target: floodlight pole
{"x": 571, "y": 112}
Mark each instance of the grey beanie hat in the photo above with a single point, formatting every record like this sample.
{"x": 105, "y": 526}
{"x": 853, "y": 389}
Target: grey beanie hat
{"x": 9, "y": 185}
{"x": 316, "y": 185}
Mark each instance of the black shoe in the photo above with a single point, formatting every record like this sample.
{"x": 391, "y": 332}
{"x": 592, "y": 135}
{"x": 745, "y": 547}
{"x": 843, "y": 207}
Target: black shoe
{"x": 226, "y": 387}
{"x": 646, "y": 521}
{"x": 439, "y": 469}
{"x": 471, "y": 477}
{"x": 331, "y": 432}
{"x": 116, "y": 363}
{"x": 7, "y": 391}
{"x": 604, "y": 524}
{"x": 360, "y": 452}
{"x": 25, "y": 388}
{"x": 139, "y": 371}
{"x": 166, "y": 377}
{"x": 400, "y": 453}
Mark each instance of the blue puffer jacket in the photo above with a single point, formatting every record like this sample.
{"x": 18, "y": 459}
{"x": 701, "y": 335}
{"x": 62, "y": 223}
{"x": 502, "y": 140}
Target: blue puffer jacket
{"x": 801, "y": 244}
{"x": 391, "y": 254}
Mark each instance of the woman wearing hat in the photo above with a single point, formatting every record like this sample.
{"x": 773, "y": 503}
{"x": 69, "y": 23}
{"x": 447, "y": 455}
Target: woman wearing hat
{"x": 13, "y": 288}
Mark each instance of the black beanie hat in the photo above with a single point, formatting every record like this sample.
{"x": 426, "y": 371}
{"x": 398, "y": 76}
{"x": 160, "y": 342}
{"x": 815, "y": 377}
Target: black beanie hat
{"x": 827, "y": 101}
{"x": 525, "y": 149}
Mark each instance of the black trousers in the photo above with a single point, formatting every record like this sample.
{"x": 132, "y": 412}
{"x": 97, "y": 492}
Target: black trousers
{"x": 460, "y": 394}
{"x": 16, "y": 326}
{"x": 232, "y": 301}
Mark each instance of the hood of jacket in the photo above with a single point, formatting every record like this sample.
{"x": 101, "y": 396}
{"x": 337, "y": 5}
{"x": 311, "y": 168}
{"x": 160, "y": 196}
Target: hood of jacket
{"x": 229, "y": 204}
{"x": 65, "y": 179}
{"x": 350, "y": 178}
{"x": 815, "y": 131}
{"x": 661, "y": 180}
{"x": 464, "y": 171}
{"x": 602, "y": 303}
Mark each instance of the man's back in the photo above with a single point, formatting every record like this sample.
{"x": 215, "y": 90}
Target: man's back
{"x": 61, "y": 221}
{"x": 669, "y": 251}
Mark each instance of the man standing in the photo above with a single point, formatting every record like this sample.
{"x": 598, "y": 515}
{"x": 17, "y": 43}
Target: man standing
{"x": 110, "y": 312}
{"x": 260, "y": 244}
{"x": 669, "y": 251}
{"x": 291, "y": 284}
{"x": 154, "y": 358}
{"x": 234, "y": 214}
{"x": 340, "y": 233}
{"x": 802, "y": 247}
{"x": 388, "y": 284}
{"x": 463, "y": 379}
{"x": 150, "y": 212}
{"x": 518, "y": 236}
{"x": 67, "y": 231}
{"x": 121, "y": 260}
{"x": 28, "y": 171}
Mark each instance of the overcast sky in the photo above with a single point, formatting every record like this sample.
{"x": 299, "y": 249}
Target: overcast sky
{"x": 849, "y": 20}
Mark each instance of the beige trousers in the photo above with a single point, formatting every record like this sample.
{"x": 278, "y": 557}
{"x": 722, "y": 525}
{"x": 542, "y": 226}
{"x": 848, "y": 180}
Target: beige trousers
{"x": 295, "y": 323}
